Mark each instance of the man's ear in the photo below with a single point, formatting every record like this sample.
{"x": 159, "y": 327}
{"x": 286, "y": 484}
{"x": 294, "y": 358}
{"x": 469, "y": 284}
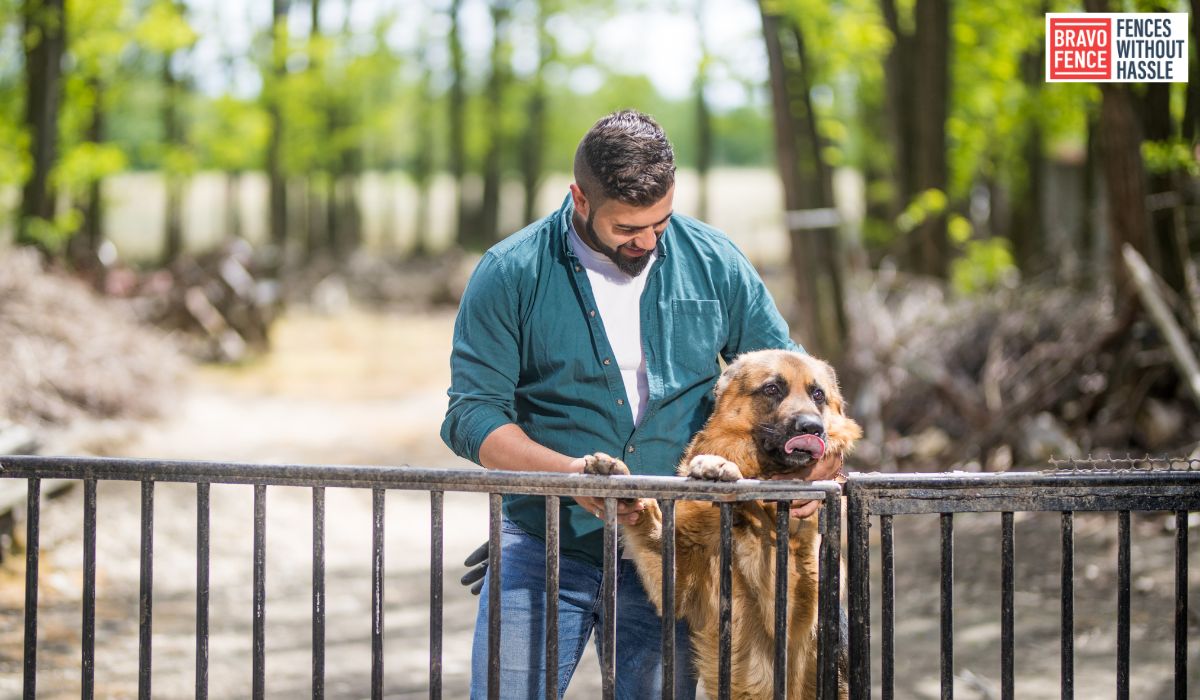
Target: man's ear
{"x": 579, "y": 199}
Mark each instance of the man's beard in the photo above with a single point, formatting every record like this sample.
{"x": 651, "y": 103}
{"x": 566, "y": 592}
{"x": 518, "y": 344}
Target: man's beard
{"x": 630, "y": 266}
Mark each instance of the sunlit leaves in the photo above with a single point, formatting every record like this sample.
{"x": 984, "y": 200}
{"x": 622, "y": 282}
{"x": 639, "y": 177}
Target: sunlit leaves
{"x": 983, "y": 265}
{"x": 164, "y": 29}
{"x": 87, "y": 163}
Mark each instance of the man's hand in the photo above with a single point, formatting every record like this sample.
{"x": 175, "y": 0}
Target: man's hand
{"x": 829, "y": 468}
{"x": 628, "y": 509}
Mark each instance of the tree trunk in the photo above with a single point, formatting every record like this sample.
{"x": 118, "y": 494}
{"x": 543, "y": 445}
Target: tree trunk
{"x": 900, "y": 79}
{"x": 84, "y": 247}
{"x": 1120, "y": 152}
{"x": 1120, "y": 143}
{"x": 45, "y": 30}
{"x": 172, "y": 137}
{"x": 497, "y": 87}
{"x": 1166, "y": 214}
{"x": 233, "y": 205}
{"x": 278, "y": 183}
{"x": 458, "y": 138}
{"x": 931, "y": 95}
{"x": 704, "y": 138}
{"x": 1026, "y": 232}
{"x": 808, "y": 193}
{"x": 534, "y": 140}
{"x": 423, "y": 163}
{"x": 316, "y": 234}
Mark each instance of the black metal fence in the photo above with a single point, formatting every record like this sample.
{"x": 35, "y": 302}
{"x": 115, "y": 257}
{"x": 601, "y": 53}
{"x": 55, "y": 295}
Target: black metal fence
{"x": 437, "y": 482}
{"x": 1117, "y": 486}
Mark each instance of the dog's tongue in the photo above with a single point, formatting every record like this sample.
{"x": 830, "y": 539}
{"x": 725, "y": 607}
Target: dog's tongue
{"x": 811, "y": 443}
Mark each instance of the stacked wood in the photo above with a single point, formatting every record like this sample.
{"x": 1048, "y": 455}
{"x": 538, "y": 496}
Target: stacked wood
{"x": 217, "y": 301}
{"x": 1013, "y": 378}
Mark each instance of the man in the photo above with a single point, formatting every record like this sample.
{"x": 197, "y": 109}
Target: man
{"x": 596, "y": 329}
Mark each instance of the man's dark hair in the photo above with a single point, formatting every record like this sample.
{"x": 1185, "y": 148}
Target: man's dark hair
{"x": 626, "y": 156}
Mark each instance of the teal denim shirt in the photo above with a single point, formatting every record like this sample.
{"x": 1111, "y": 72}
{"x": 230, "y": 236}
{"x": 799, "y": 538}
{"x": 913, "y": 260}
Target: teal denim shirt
{"x": 530, "y": 349}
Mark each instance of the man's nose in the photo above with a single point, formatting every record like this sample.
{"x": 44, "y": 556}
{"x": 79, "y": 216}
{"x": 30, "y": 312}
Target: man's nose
{"x": 646, "y": 240}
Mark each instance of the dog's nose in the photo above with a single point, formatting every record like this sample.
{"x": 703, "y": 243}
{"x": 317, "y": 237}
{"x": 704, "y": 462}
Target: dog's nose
{"x": 805, "y": 424}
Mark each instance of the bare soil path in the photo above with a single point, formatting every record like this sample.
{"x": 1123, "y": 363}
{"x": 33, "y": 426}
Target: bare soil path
{"x": 360, "y": 388}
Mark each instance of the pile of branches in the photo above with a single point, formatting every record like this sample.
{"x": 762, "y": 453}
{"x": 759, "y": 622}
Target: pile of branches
{"x": 220, "y": 303}
{"x": 1011, "y": 379}
{"x": 68, "y": 353}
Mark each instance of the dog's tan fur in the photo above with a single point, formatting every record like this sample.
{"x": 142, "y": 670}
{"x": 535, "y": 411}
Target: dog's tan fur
{"x": 725, "y": 450}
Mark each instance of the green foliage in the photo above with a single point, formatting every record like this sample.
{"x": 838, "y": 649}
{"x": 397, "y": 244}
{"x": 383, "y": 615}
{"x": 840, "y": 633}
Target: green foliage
{"x": 984, "y": 265}
{"x": 86, "y": 163}
{"x": 1162, "y": 157}
{"x": 52, "y": 236}
{"x": 164, "y": 29}
{"x": 929, "y": 203}
{"x": 230, "y": 134}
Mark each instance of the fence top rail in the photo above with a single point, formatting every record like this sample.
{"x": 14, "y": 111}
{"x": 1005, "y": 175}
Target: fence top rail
{"x": 875, "y": 481}
{"x": 407, "y": 478}
{"x": 1142, "y": 490}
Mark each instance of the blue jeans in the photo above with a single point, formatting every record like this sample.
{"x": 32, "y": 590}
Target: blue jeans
{"x": 580, "y": 608}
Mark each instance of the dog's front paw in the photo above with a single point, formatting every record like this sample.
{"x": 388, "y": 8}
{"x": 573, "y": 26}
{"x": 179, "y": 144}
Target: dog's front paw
{"x": 712, "y": 468}
{"x": 601, "y": 464}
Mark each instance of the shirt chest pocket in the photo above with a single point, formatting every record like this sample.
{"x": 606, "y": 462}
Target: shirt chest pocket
{"x": 696, "y": 333}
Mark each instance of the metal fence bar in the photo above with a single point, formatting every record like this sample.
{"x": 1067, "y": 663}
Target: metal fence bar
{"x": 32, "y": 536}
{"x": 725, "y": 632}
{"x": 947, "y": 616}
{"x": 1068, "y": 607}
{"x": 203, "y": 492}
{"x": 552, "y": 549}
{"x": 494, "y": 514}
{"x": 858, "y": 566}
{"x": 259, "y": 685}
{"x": 1181, "y": 603}
{"x": 782, "y": 550}
{"x": 608, "y": 640}
{"x": 667, "y": 506}
{"x": 88, "y": 646}
{"x": 436, "y": 591}
{"x": 1007, "y": 556}
{"x": 377, "y": 571}
{"x": 1123, "y": 605}
{"x": 887, "y": 584}
{"x": 411, "y": 479}
{"x": 829, "y": 618}
{"x": 146, "y": 594}
{"x": 318, "y": 594}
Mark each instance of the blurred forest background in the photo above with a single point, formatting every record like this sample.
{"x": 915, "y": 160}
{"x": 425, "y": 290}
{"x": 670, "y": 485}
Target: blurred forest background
{"x": 958, "y": 236}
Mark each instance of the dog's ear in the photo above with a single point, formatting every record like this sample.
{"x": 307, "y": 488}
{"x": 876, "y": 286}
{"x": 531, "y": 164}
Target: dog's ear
{"x": 727, "y": 377}
{"x": 842, "y": 432}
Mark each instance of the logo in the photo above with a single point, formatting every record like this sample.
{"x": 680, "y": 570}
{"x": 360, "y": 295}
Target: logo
{"x": 1125, "y": 47}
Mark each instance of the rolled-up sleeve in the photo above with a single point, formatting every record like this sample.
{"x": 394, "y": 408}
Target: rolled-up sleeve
{"x": 754, "y": 321}
{"x": 484, "y": 361}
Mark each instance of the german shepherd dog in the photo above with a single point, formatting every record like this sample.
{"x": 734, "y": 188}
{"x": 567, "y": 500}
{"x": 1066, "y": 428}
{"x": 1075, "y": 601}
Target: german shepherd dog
{"x": 778, "y": 415}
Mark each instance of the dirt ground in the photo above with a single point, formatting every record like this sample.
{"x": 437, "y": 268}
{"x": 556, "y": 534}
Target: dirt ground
{"x": 369, "y": 388}
{"x": 360, "y": 388}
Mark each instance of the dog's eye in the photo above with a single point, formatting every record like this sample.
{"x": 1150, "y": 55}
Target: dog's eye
{"x": 771, "y": 389}
{"x": 818, "y": 396}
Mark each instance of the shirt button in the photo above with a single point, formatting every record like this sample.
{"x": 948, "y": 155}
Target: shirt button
{"x": 629, "y": 449}
{"x": 578, "y": 268}
{"x": 607, "y": 361}
{"x": 592, "y": 313}
{"x": 620, "y": 402}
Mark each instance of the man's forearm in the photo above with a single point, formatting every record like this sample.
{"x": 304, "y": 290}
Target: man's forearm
{"x": 509, "y": 448}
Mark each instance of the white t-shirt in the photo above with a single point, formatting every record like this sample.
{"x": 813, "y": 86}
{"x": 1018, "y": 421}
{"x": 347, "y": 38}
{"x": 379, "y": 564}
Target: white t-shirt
{"x": 618, "y": 298}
